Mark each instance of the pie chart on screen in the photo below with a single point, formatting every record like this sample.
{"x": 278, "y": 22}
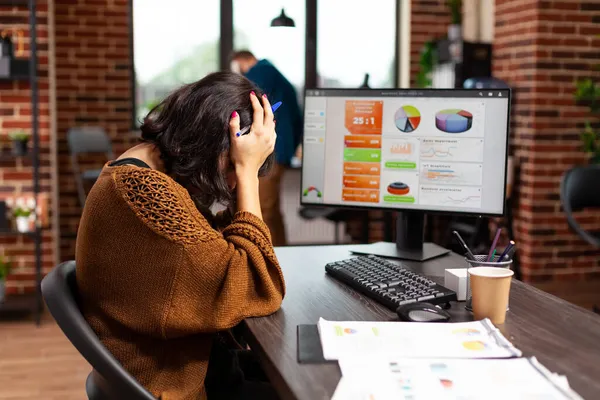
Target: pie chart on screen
{"x": 453, "y": 120}
{"x": 407, "y": 118}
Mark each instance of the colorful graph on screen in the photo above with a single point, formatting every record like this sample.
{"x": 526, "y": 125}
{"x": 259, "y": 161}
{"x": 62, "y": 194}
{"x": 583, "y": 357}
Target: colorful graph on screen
{"x": 453, "y": 120}
{"x": 404, "y": 148}
{"x": 455, "y": 196}
{"x": 407, "y": 118}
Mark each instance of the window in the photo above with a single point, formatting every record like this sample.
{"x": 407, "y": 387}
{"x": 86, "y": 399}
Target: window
{"x": 175, "y": 42}
{"x": 355, "y": 38}
{"x": 284, "y": 47}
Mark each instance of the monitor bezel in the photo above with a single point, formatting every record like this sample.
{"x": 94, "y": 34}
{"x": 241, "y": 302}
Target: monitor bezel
{"x": 508, "y": 91}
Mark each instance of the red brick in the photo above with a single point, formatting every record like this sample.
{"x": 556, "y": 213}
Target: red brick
{"x": 575, "y": 42}
{"x": 564, "y": 29}
{"x": 589, "y": 30}
{"x": 565, "y": 5}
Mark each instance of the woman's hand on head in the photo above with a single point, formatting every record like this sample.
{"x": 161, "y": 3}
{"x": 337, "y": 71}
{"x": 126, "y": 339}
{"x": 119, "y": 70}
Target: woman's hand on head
{"x": 248, "y": 152}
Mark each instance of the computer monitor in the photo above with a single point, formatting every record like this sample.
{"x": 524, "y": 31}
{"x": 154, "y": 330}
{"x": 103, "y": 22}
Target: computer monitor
{"x": 415, "y": 151}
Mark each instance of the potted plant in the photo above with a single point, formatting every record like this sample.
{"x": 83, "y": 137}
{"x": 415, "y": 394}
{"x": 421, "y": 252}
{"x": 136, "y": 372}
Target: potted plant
{"x": 20, "y": 139}
{"x": 5, "y": 267}
{"x": 22, "y": 215}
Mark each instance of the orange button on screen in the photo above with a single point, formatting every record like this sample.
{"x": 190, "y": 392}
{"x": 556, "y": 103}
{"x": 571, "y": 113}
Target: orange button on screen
{"x": 360, "y": 168}
{"x": 361, "y": 181}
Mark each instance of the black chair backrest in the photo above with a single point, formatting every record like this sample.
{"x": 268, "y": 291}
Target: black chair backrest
{"x": 579, "y": 189}
{"x": 59, "y": 289}
{"x": 89, "y": 139}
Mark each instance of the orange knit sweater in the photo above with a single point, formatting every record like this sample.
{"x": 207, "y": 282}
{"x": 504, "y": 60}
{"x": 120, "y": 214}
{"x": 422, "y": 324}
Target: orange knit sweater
{"x": 157, "y": 281}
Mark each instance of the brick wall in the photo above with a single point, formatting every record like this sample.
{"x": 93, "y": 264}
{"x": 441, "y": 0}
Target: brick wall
{"x": 16, "y": 174}
{"x": 429, "y": 20}
{"x": 93, "y": 88}
{"x": 540, "y": 48}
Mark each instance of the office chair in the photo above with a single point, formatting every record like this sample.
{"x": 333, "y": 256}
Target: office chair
{"x": 108, "y": 379}
{"x": 579, "y": 190}
{"x": 87, "y": 140}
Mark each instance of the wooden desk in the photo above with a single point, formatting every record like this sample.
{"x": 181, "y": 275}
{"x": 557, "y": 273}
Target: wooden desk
{"x": 564, "y": 337}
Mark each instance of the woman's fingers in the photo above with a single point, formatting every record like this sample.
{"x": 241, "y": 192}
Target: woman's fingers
{"x": 234, "y": 125}
{"x": 268, "y": 111}
{"x": 258, "y": 116}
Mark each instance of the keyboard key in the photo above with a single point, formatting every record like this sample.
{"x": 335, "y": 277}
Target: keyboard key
{"x": 426, "y": 298}
{"x": 402, "y": 302}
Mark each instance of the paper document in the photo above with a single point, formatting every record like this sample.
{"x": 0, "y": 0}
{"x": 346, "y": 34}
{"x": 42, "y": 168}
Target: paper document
{"x": 452, "y": 379}
{"x": 360, "y": 389}
{"x": 477, "y": 339}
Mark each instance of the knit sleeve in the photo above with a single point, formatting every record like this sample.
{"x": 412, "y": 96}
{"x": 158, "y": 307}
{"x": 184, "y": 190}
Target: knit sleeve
{"x": 226, "y": 280}
{"x": 223, "y": 277}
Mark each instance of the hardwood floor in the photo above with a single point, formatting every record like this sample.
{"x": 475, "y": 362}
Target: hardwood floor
{"x": 39, "y": 363}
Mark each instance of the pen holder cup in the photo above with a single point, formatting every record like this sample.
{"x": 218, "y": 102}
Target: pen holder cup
{"x": 480, "y": 261}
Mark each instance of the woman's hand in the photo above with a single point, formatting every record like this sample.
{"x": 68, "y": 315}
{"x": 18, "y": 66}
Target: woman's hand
{"x": 248, "y": 152}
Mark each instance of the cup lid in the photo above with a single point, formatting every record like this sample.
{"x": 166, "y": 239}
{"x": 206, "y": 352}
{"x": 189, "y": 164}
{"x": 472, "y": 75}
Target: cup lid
{"x": 491, "y": 272}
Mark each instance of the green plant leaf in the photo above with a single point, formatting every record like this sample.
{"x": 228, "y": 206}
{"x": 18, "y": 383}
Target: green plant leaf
{"x": 22, "y": 212}
{"x": 19, "y": 135}
{"x": 455, "y": 11}
{"x": 5, "y": 268}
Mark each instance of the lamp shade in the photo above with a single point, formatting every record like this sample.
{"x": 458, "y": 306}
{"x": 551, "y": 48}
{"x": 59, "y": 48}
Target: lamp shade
{"x": 283, "y": 21}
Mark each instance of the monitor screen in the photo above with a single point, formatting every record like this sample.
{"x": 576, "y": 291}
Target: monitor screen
{"x": 424, "y": 149}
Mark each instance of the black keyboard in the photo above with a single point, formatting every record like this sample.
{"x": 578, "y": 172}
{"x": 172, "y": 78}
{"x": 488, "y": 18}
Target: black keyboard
{"x": 390, "y": 284}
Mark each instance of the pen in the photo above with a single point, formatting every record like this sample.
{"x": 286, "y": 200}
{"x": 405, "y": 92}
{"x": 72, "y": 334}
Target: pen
{"x": 493, "y": 254}
{"x": 511, "y": 252}
{"x": 468, "y": 252}
{"x": 506, "y": 250}
{"x": 494, "y": 243}
{"x": 274, "y": 108}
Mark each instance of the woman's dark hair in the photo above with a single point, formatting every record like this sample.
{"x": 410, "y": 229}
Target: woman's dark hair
{"x": 190, "y": 127}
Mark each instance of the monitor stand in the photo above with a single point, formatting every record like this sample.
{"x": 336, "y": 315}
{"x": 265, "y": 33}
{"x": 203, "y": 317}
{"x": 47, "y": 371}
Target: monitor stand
{"x": 409, "y": 241}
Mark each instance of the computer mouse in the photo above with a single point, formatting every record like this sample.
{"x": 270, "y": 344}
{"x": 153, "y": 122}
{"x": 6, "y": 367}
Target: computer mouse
{"x": 422, "y": 312}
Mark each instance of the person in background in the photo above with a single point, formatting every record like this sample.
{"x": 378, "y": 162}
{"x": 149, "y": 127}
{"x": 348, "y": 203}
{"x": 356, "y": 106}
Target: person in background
{"x": 289, "y": 133}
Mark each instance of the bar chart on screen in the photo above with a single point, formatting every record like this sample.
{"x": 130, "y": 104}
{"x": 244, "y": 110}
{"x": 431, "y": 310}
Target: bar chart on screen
{"x": 451, "y": 173}
{"x": 400, "y": 154}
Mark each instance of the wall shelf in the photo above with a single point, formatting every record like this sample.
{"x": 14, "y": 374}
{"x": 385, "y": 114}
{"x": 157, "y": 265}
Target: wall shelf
{"x": 14, "y": 2}
{"x": 6, "y": 156}
{"x": 18, "y": 304}
{"x": 17, "y": 78}
{"x": 26, "y": 69}
{"x": 12, "y": 232}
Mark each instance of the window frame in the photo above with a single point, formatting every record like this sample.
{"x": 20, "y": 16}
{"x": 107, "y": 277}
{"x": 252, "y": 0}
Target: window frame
{"x": 226, "y": 47}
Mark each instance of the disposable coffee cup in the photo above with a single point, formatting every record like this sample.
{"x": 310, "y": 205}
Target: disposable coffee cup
{"x": 490, "y": 289}
{"x": 480, "y": 260}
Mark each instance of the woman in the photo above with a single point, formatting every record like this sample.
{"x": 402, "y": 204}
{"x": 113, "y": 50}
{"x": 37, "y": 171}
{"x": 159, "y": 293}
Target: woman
{"x": 157, "y": 280}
